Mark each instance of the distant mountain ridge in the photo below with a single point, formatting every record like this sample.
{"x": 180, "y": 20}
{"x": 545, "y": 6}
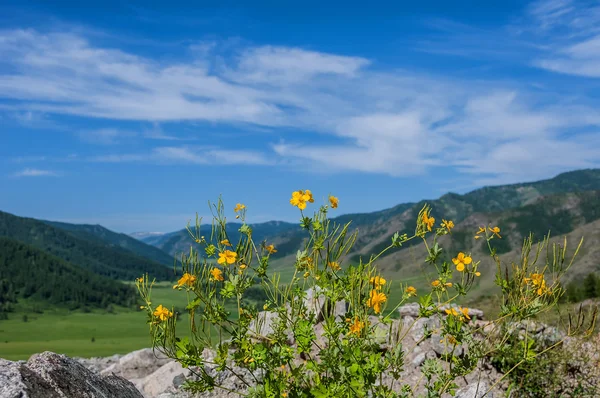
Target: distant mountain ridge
{"x": 377, "y": 228}
{"x": 43, "y": 280}
{"x": 97, "y": 233}
{"x": 93, "y": 249}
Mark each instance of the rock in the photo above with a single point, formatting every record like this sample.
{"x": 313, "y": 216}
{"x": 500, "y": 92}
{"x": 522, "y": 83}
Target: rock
{"x": 50, "y": 375}
{"x": 419, "y": 359}
{"x": 172, "y": 374}
{"x": 411, "y": 310}
{"x": 137, "y": 364}
{"x": 476, "y": 390}
{"x": 316, "y": 302}
{"x": 422, "y": 326}
{"x": 99, "y": 364}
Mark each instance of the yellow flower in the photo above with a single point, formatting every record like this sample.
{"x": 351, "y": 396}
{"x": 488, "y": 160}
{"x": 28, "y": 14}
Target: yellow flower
{"x": 461, "y": 260}
{"x": 299, "y": 199}
{"x": 334, "y": 265}
{"x": 357, "y": 326}
{"x": 481, "y": 230}
{"x": 377, "y": 281}
{"x": 451, "y": 311}
{"x": 306, "y": 274}
{"x": 477, "y": 273}
{"x": 225, "y": 242}
{"x": 477, "y": 236}
{"x": 334, "y": 201}
{"x": 448, "y": 284}
{"x": 411, "y": 291}
{"x": 140, "y": 279}
{"x": 375, "y": 300}
{"x": 271, "y": 249}
{"x": 538, "y": 282}
{"x": 447, "y": 224}
{"x": 217, "y": 274}
{"x": 496, "y": 231}
{"x": 162, "y": 313}
{"x": 239, "y": 207}
{"x": 243, "y": 266}
{"x": 452, "y": 339}
{"x": 227, "y": 256}
{"x": 465, "y": 312}
{"x": 428, "y": 221}
{"x": 186, "y": 279}
{"x": 436, "y": 283}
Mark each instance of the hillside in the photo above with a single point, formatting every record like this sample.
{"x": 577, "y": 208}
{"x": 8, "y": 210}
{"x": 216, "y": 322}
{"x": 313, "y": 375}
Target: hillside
{"x": 574, "y": 215}
{"x": 377, "y": 228}
{"x": 27, "y": 273}
{"x": 282, "y": 234}
{"x": 97, "y": 255}
{"x": 93, "y": 233}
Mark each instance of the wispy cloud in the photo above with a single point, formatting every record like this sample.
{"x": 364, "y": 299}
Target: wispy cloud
{"x": 35, "y": 173}
{"x": 571, "y": 30}
{"x": 185, "y": 154}
{"x": 365, "y": 118}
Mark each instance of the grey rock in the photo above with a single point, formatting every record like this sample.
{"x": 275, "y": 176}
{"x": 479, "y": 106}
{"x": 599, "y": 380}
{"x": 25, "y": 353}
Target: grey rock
{"x": 172, "y": 374}
{"x": 411, "y": 310}
{"x": 419, "y": 359}
{"x": 317, "y": 303}
{"x": 137, "y": 364}
{"x": 50, "y": 375}
{"x": 476, "y": 390}
{"x": 423, "y": 326}
{"x": 98, "y": 364}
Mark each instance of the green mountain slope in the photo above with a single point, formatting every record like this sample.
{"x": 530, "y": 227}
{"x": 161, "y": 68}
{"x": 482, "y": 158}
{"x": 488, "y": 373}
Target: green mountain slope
{"x": 27, "y": 273}
{"x": 574, "y": 215}
{"x": 96, "y": 256}
{"x": 95, "y": 232}
{"x": 277, "y": 232}
{"x": 377, "y": 228}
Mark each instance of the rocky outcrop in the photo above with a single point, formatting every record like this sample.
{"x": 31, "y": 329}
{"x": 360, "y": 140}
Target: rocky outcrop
{"x": 50, "y": 375}
{"x": 152, "y": 375}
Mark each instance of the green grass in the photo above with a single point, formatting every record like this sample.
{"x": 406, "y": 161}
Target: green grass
{"x": 71, "y": 333}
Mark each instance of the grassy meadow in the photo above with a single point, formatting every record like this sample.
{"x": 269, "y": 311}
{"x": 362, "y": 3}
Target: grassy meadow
{"x": 71, "y": 333}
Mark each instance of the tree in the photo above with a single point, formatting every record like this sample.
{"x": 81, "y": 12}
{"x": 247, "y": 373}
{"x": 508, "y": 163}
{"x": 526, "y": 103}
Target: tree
{"x": 590, "y": 286}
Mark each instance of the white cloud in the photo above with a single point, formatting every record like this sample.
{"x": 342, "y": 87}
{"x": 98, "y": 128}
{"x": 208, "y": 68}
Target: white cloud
{"x": 28, "y": 172}
{"x": 337, "y": 112}
{"x": 184, "y": 154}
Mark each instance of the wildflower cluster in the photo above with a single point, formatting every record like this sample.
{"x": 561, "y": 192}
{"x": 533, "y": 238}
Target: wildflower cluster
{"x": 345, "y": 359}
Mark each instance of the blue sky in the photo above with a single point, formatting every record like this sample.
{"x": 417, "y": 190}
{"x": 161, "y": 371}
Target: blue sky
{"x": 134, "y": 115}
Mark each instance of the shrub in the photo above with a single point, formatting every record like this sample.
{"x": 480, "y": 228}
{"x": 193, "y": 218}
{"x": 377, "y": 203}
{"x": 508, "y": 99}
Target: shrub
{"x": 347, "y": 359}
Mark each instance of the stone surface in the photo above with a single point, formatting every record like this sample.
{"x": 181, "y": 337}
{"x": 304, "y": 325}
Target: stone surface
{"x": 475, "y": 390}
{"x": 50, "y": 375}
{"x": 137, "y": 364}
{"x": 171, "y": 374}
{"x": 411, "y": 310}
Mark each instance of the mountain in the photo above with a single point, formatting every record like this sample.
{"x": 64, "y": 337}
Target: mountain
{"x": 279, "y": 233}
{"x": 143, "y": 235}
{"x": 96, "y": 255}
{"x": 376, "y": 228}
{"x": 574, "y": 215}
{"x": 93, "y": 233}
{"x": 29, "y": 274}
